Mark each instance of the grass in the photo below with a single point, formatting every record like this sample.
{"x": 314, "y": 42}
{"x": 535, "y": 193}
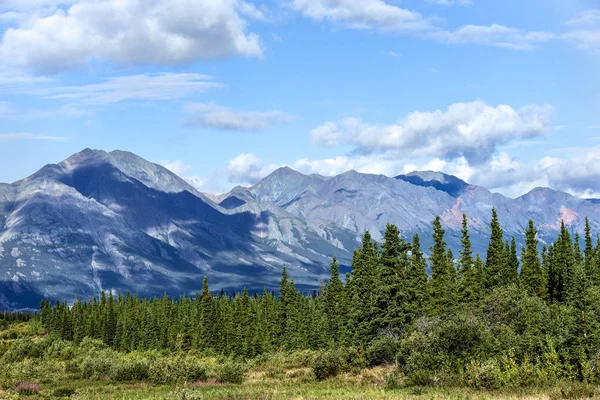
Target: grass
{"x": 278, "y": 376}
{"x": 332, "y": 389}
{"x": 296, "y": 384}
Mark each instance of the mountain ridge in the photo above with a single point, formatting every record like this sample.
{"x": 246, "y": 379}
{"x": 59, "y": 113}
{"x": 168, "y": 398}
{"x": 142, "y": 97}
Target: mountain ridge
{"x": 114, "y": 221}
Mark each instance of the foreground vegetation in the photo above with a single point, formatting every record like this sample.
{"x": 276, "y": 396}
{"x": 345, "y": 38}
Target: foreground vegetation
{"x": 503, "y": 327}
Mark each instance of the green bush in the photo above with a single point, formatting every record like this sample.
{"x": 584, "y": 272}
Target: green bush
{"x": 22, "y": 349}
{"x": 130, "y": 370}
{"x": 179, "y": 370}
{"x": 382, "y": 351}
{"x": 329, "y": 363}
{"x": 61, "y": 350}
{"x": 393, "y": 380}
{"x": 420, "y": 377}
{"x": 484, "y": 375}
{"x": 95, "y": 366}
{"x": 30, "y": 370}
{"x": 231, "y": 372}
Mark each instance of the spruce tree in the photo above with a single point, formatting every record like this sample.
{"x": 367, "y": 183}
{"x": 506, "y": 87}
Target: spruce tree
{"x": 361, "y": 290}
{"x": 334, "y": 302}
{"x": 468, "y": 286}
{"x": 441, "y": 284}
{"x": 391, "y": 272}
{"x": 416, "y": 297}
{"x": 532, "y": 275}
{"x": 495, "y": 263}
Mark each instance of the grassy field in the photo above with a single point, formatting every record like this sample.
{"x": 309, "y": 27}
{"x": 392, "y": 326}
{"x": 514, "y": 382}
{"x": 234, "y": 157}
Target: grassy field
{"x": 295, "y": 383}
{"x": 58, "y": 369}
{"x": 337, "y": 388}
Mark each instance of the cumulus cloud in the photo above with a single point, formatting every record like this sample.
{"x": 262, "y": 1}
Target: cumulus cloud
{"x": 182, "y": 169}
{"x": 576, "y": 173}
{"x": 214, "y": 116}
{"x": 177, "y": 167}
{"x": 473, "y": 130}
{"x": 363, "y": 14}
{"x": 158, "y": 32}
{"x": 144, "y": 87}
{"x": 246, "y": 168}
{"x": 4, "y": 137}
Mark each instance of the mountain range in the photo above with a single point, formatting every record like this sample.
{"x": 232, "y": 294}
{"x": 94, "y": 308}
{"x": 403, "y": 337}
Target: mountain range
{"x": 114, "y": 221}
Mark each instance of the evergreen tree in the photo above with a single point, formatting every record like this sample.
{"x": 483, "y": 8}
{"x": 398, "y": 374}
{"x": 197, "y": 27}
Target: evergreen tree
{"x": 361, "y": 291}
{"x": 391, "y": 272}
{"x": 334, "y": 302}
{"x": 532, "y": 276}
{"x": 468, "y": 288}
{"x": 590, "y": 262}
{"x": 416, "y": 296}
{"x": 442, "y": 280}
{"x": 495, "y": 262}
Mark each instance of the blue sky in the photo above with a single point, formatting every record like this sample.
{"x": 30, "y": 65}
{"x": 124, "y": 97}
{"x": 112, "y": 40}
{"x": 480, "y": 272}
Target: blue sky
{"x": 222, "y": 92}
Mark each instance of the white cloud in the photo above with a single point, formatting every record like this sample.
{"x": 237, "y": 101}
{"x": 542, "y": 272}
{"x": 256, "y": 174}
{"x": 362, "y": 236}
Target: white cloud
{"x": 177, "y": 167}
{"x": 492, "y": 35}
{"x": 394, "y": 54}
{"x": 159, "y": 32}
{"x": 473, "y": 130}
{"x": 30, "y": 136}
{"x": 576, "y": 174}
{"x": 10, "y": 79}
{"x": 450, "y": 2}
{"x": 181, "y": 169}
{"x": 145, "y": 87}
{"x": 382, "y": 16}
{"x": 246, "y": 169}
{"x": 8, "y": 111}
{"x": 585, "y": 31}
{"x": 362, "y": 14}
{"x": 585, "y": 40}
{"x": 214, "y": 116}
{"x": 586, "y": 18}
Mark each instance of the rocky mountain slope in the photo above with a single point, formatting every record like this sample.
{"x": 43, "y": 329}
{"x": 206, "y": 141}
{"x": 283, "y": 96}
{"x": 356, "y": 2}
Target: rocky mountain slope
{"x": 114, "y": 221}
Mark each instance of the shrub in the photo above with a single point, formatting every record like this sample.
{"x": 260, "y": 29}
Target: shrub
{"x": 95, "y": 366}
{"x": 130, "y": 370}
{"x": 28, "y": 370}
{"x": 231, "y": 372}
{"x": 382, "y": 351}
{"x": 420, "y": 377}
{"x": 329, "y": 363}
{"x": 180, "y": 370}
{"x": 22, "y": 349}
{"x": 393, "y": 380}
{"x": 61, "y": 350}
{"x": 484, "y": 375}
{"x": 26, "y": 388}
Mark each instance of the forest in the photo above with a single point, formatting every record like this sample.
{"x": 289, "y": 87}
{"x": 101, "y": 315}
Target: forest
{"x": 401, "y": 323}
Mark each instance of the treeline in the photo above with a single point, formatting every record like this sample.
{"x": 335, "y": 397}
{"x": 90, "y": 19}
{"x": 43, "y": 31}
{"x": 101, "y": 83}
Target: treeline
{"x": 533, "y": 316}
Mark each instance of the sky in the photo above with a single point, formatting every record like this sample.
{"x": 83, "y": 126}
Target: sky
{"x": 222, "y": 92}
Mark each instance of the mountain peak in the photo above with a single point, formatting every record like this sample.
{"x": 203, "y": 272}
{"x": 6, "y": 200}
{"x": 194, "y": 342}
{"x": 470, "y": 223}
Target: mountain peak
{"x": 284, "y": 172}
{"x": 437, "y": 180}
